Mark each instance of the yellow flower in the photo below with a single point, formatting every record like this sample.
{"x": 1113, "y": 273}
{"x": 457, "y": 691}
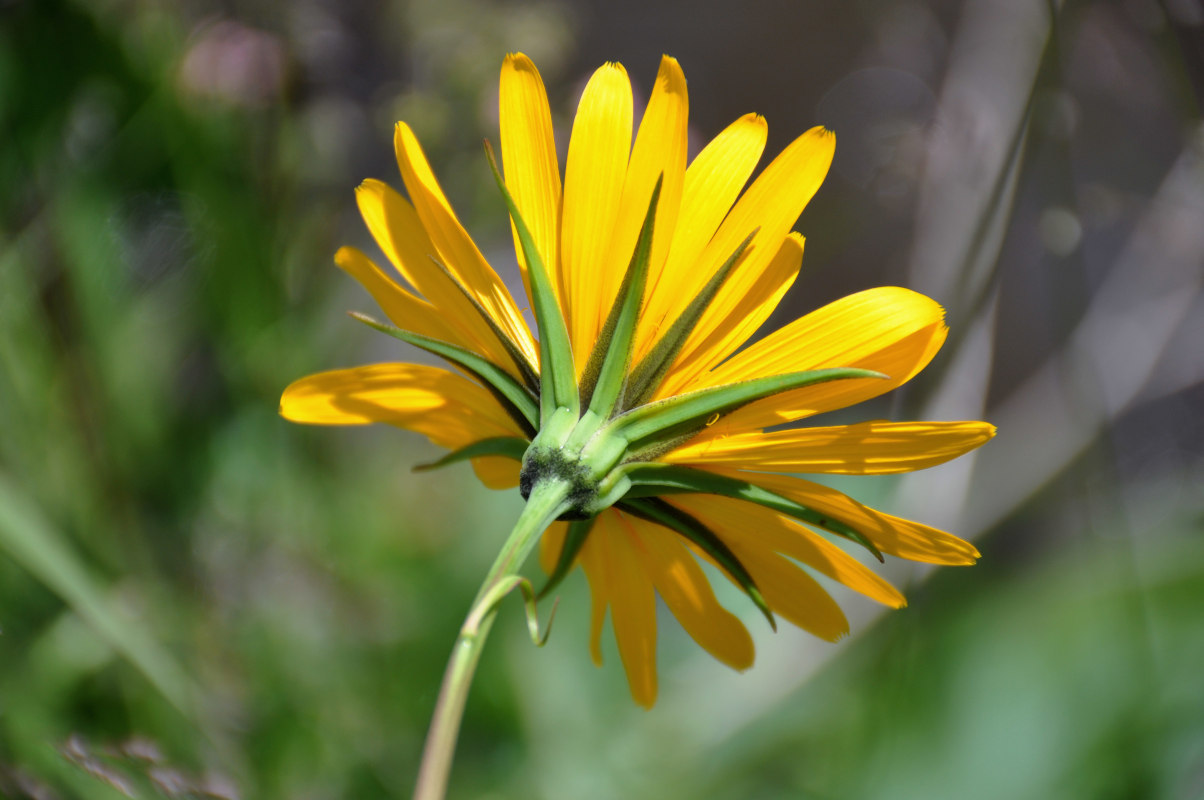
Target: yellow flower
{"x": 642, "y": 427}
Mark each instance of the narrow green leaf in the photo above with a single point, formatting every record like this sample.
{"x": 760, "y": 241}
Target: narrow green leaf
{"x": 658, "y": 511}
{"x": 511, "y": 447}
{"x": 658, "y": 479}
{"x": 649, "y": 373}
{"x": 676, "y": 416}
{"x": 525, "y": 368}
{"x": 558, "y": 374}
{"x": 605, "y": 376}
{"x": 574, "y": 539}
{"x": 513, "y": 396}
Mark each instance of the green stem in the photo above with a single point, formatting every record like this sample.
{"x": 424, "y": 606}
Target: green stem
{"x": 546, "y": 503}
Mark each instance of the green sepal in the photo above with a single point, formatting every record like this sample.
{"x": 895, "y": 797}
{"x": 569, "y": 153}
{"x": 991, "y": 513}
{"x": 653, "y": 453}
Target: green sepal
{"x": 651, "y": 480}
{"x": 512, "y": 447}
{"x": 518, "y": 401}
{"x": 525, "y": 368}
{"x": 660, "y": 512}
{"x": 648, "y": 425}
{"x": 605, "y": 376}
{"x": 558, "y": 374}
{"x": 574, "y": 539}
{"x": 649, "y": 373}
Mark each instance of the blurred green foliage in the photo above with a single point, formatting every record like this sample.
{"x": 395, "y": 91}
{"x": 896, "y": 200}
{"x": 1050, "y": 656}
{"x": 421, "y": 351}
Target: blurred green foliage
{"x": 198, "y": 600}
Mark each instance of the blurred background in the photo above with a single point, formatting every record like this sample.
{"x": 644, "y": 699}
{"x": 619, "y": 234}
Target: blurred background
{"x": 198, "y": 600}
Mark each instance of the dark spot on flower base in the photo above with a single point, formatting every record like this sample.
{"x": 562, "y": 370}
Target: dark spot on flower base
{"x": 541, "y": 465}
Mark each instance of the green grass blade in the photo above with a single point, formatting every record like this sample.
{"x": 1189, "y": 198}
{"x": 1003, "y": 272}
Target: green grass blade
{"x": 658, "y": 479}
{"x": 27, "y": 537}
{"x": 518, "y": 401}
{"x": 558, "y": 374}
{"x": 605, "y": 376}
{"x": 658, "y": 511}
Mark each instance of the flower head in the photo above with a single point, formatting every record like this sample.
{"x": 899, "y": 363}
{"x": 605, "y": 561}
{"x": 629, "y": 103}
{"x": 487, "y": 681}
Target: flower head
{"x": 632, "y": 410}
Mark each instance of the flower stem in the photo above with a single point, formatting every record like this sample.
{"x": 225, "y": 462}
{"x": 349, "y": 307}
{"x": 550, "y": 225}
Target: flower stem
{"x": 546, "y": 502}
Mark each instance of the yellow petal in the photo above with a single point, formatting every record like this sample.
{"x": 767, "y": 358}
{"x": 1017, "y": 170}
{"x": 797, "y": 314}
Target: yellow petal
{"x": 794, "y": 594}
{"x": 771, "y": 206}
{"x": 593, "y": 184}
{"x": 396, "y": 228}
{"x": 867, "y": 448}
{"x": 529, "y": 159}
{"x": 685, "y": 589}
{"x": 496, "y": 472}
{"x": 712, "y": 183}
{"x": 449, "y": 410}
{"x": 754, "y": 527}
{"x": 402, "y": 308}
{"x": 455, "y": 248}
{"x": 633, "y": 604}
{"x": 660, "y": 149}
{"x": 597, "y": 570}
{"x": 744, "y": 318}
{"x": 550, "y": 545}
{"x": 892, "y": 535}
{"x": 892, "y": 330}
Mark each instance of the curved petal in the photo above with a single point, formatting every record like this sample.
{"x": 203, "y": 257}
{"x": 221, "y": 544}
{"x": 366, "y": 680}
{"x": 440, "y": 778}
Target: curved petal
{"x": 712, "y": 183}
{"x": 889, "y": 329}
{"x": 593, "y": 184}
{"x": 660, "y": 149}
{"x": 449, "y": 410}
{"x": 633, "y": 604}
{"x": 746, "y": 527}
{"x": 529, "y": 158}
{"x": 794, "y": 594}
{"x": 456, "y": 249}
{"x": 771, "y": 206}
{"x": 745, "y": 317}
{"x": 550, "y": 545}
{"x": 867, "y": 448}
{"x": 402, "y": 308}
{"x": 496, "y": 472}
{"x": 685, "y": 589}
{"x": 892, "y": 535}
{"x": 597, "y": 568}
{"x": 398, "y": 232}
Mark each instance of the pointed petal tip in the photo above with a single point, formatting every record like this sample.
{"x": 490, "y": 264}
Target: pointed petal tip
{"x": 754, "y": 120}
{"x": 645, "y": 703}
{"x": 670, "y": 73}
{"x": 403, "y": 137}
{"x": 519, "y": 62}
{"x": 612, "y": 66}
